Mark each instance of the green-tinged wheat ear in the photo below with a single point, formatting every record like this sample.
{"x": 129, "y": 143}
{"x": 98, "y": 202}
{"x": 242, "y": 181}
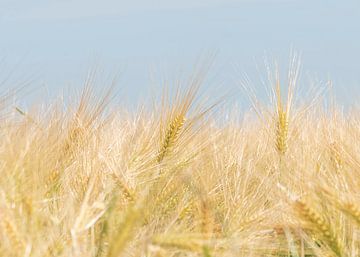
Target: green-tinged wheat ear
{"x": 282, "y": 132}
{"x": 124, "y": 232}
{"x": 168, "y": 191}
{"x": 206, "y": 251}
{"x": 170, "y": 205}
{"x": 168, "y": 199}
{"x": 187, "y": 210}
{"x": 320, "y": 224}
{"x": 171, "y": 136}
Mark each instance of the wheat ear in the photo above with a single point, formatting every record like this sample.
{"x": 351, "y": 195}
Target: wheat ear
{"x": 128, "y": 193}
{"x": 345, "y": 205}
{"x": 171, "y": 136}
{"x": 281, "y": 123}
{"x": 327, "y": 232}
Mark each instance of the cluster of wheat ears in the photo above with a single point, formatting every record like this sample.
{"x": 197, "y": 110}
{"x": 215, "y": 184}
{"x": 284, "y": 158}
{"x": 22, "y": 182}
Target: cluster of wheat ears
{"x": 180, "y": 180}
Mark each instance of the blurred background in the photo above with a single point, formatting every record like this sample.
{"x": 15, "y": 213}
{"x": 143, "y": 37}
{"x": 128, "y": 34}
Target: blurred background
{"x": 53, "y": 43}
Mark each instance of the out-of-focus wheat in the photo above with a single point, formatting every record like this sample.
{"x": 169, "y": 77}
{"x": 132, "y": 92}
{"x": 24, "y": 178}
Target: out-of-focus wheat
{"x": 174, "y": 181}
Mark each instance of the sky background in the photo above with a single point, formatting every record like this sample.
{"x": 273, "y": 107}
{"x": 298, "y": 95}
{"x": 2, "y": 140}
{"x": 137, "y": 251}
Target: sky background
{"x": 54, "y": 43}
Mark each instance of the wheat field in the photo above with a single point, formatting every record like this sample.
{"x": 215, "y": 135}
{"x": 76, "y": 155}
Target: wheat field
{"x": 179, "y": 179}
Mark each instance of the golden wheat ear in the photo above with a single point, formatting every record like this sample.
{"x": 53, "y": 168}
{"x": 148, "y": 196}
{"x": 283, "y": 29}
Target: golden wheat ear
{"x": 282, "y": 123}
{"x": 346, "y": 203}
{"x": 280, "y": 115}
{"x": 90, "y": 107}
{"x": 179, "y": 113}
{"x": 318, "y": 222}
{"x": 171, "y": 136}
{"x": 283, "y": 110}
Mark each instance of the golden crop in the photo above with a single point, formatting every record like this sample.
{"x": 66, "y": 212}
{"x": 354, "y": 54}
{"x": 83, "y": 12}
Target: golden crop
{"x": 173, "y": 181}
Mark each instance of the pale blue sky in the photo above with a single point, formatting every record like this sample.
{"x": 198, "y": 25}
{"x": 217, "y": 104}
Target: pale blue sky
{"x": 56, "y": 41}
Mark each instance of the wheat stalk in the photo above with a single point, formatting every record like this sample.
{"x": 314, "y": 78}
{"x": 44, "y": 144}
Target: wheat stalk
{"x": 206, "y": 221}
{"x": 124, "y": 233}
